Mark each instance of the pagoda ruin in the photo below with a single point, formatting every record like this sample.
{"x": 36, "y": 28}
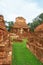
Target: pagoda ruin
{"x": 20, "y": 26}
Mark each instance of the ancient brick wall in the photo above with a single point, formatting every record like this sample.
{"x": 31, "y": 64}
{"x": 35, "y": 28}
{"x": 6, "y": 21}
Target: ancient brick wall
{"x": 5, "y": 46}
{"x": 35, "y": 44}
{"x": 5, "y": 52}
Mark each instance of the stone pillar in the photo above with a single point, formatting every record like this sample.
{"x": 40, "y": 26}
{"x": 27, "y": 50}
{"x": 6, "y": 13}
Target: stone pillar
{"x": 21, "y": 30}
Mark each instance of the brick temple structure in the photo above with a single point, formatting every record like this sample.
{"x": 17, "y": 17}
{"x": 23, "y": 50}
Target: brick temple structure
{"x": 35, "y": 43}
{"x": 3, "y": 30}
{"x": 39, "y": 28}
{"x": 4, "y": 43}
{"x": 20, "y": 26}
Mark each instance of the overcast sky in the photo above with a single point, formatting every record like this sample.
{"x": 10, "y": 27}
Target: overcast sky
{"x": 28, "y": 9}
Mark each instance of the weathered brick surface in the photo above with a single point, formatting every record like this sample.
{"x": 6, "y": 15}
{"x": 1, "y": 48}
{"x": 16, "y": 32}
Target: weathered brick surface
{"x": 35, "y": 44}
{"x": 5, "y": 57}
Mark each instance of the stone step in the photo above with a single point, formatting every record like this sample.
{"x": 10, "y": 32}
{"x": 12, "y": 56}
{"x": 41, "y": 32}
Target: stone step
{"x": 6, "y": 64}
{"x": 2, "y": 44}
{"x": 1, "y": 61}
{"x": 2, "y": 48}
{"x": 2, "y": 54}
{"x": 2, "y": 57}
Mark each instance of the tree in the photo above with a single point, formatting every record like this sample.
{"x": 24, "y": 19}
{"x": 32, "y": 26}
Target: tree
{"x": 8, "y": 25}
{"x": 37, "y": 21}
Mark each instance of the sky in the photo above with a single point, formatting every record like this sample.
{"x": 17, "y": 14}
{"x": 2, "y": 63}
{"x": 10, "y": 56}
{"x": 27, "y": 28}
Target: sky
{"x": 29, "y": 9}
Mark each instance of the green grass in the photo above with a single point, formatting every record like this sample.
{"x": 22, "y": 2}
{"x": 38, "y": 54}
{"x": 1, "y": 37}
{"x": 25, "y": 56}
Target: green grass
{"x": 22, "y": 56}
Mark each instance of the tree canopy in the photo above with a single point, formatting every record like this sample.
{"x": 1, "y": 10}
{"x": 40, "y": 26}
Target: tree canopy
{"x": 37, "y": 21}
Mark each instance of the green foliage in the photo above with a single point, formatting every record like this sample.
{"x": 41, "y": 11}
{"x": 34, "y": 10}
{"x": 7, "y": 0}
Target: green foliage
{"x": 41, "y": 16}
{"x": 9, "y": 25}
{"x": 31, "y": 26}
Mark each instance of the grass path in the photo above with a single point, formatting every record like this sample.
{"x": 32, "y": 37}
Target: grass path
{"x": 22, "y": 56}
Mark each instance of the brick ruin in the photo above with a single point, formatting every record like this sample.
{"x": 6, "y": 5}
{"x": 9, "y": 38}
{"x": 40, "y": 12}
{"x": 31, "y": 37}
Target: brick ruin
{"x": 35, "y": 42}
{"x": 39, "y": 28}
{"x": 35, "y": 39}
{"x": 20, "y": 27}
{"x": 5, "y": 58}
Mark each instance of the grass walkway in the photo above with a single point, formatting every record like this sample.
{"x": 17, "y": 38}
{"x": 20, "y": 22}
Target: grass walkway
{"x": 22, "y": 56}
